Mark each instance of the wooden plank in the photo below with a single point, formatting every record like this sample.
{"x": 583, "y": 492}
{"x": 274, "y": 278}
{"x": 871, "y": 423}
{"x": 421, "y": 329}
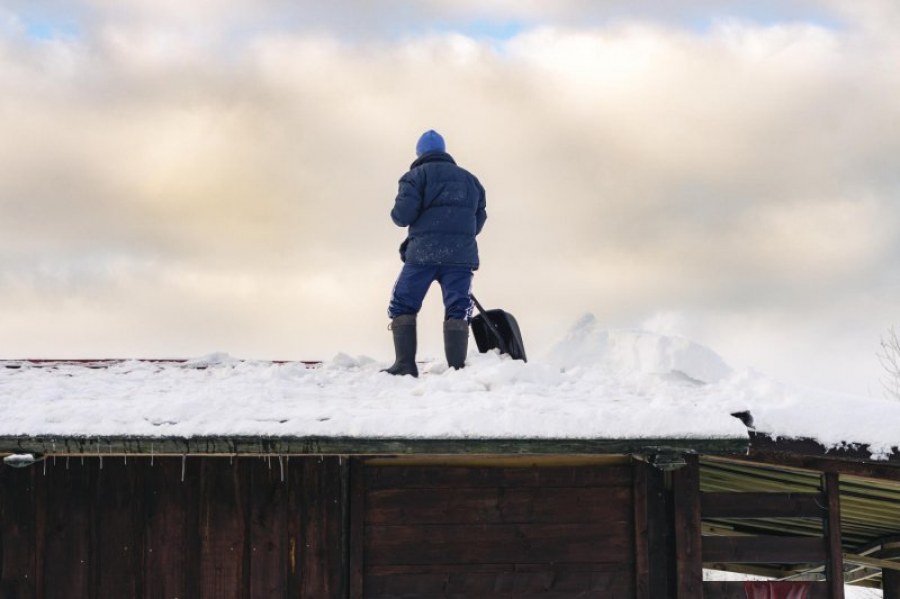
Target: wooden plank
{"x": 500, "y": 460}
{"x": 763, "y": 549}
{"x": 437, "y": 477}
{"x": 223, "y": 520}
{"x": 268, "y": 498}
{"x": 735, "y": 590}
{"x": 499, "y": 505}
{"x": 118, "y": 528}
{"x": 318, "y": 499}
{"x": 295, "y": 486}
{"x": 65, "y": 560}
{"x": 18, "y": 566}
{"x": 172, "y": 535}
{"x": 834, "y": 564}
{"x": 762, "y": 505}
{"x": 357, "y": 510}
{"x": 661, "y": 535}
{"x": 506, "y": 580}
{"x": 499, "y": 543}
{"x": 688, "y": 533}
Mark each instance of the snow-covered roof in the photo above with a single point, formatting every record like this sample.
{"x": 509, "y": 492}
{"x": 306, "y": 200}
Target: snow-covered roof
{"x": 596, "y": 384}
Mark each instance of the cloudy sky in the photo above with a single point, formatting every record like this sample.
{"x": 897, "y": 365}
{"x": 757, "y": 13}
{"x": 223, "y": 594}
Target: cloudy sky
{"x": 181, "y": 178}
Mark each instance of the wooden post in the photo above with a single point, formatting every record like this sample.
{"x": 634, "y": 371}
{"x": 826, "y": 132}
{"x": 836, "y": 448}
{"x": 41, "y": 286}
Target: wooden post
{"x": 650, "y": 521}
{"x": 834, "y": 566}
{"x": 688, "y": 543}
{"x": 890, "y": 579}
{"x": 890, "y": 584}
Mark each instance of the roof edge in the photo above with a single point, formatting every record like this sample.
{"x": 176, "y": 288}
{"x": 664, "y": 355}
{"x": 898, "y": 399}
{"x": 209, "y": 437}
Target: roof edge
{"x": 281, "y": 445}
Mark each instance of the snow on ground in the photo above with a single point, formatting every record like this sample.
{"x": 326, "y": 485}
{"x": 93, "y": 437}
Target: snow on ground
{"x": 594, "y": 384}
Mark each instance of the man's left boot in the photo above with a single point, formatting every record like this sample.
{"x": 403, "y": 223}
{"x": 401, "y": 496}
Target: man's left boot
{"x": 456, "y": 340}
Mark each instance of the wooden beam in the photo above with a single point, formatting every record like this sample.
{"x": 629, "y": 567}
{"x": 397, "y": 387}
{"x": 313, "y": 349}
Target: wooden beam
{"x": 258, "y": 445}
{"x": 764, "y": 549}
{"x": 762, "y": 505}
{"x": 688, "y": 534}
{"x": 834, "y": 565}
{"x": 871, "y": 562}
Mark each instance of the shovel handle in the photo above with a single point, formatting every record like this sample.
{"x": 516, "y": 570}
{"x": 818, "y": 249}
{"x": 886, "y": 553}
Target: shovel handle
{"x": 487, "y": 320}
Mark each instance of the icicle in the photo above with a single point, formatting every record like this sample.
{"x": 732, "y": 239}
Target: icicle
{"x": 126, "y": 459}
{"x": 82, "y": 460}
{"x": 183, "y": 463}
{"x": 54, "y": 459}
{"x": 269, "y": 461}
{"x": 45, "y": 466}
{"x": 151, "y": 454}
{"x": 281, "y": 467}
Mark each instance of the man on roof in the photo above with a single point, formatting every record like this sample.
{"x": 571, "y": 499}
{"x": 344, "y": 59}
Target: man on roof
{"x": 444, "y": 207}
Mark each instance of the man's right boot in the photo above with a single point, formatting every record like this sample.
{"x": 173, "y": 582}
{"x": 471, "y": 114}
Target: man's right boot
{"x": 404, "y": 329}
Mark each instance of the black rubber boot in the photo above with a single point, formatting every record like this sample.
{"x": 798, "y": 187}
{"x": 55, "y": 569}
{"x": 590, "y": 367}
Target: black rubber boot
{"x": 456, "y": 340}
{"x": 404, "y": 330}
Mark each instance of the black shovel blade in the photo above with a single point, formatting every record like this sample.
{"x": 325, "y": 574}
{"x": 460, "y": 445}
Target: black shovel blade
{"x": 510, "y": 338}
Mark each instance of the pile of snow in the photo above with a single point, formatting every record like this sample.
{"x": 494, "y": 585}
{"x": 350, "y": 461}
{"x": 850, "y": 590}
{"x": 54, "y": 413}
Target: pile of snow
{"x": 596, "y": 384}
{"x": 589, "y": 345}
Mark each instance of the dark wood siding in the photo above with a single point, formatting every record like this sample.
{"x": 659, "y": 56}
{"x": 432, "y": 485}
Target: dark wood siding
{"x": 550, "y": 531}
{"x": 316, "y": 527}
{"x": 202, "y": 527}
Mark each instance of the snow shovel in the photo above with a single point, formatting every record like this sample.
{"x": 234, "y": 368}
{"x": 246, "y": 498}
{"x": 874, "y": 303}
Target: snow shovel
{"x": 497, "y": 329}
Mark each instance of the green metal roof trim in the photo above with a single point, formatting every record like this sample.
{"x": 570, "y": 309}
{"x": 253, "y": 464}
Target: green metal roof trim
{"x": 253, "y": 445}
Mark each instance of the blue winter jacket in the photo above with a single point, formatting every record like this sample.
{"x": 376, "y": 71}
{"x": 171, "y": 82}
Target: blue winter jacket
{"x": 444, "y": 207}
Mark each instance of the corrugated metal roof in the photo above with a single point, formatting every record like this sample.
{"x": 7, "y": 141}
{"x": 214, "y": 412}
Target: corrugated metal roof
{"x": 870, "y": 512}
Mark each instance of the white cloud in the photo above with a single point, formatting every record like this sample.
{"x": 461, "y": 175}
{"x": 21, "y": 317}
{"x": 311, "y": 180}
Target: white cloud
{"x": 170, "y": 189}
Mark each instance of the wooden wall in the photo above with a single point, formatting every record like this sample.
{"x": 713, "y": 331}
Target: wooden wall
{"x": 230, "y": 529}
{"x": 315, "y": 527}
{"x": 432, "y": 531}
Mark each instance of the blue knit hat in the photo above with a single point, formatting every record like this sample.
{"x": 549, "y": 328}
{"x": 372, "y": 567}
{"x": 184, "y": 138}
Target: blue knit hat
{"x": 431, "y": 141}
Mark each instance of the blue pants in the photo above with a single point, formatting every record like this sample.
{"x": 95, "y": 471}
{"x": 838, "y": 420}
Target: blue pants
{"x": 413, "y": 284}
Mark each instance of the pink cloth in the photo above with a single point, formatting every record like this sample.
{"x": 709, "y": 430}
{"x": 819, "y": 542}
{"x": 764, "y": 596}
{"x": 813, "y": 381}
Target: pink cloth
{"x": 776, "y": 590}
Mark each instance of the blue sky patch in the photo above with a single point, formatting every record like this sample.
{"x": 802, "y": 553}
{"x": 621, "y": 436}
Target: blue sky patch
{"x": 49, "y": 27}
